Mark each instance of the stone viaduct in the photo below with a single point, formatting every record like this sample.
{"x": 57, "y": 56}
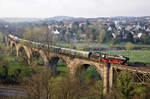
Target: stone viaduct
{"x": 50, "y": 59}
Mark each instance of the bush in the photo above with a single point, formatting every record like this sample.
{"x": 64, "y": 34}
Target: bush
{"x": 13, "y": 74}
{"x": 128, "y": 88}
{"x": 129, "y": 46}
{"x": 17, "y": 73}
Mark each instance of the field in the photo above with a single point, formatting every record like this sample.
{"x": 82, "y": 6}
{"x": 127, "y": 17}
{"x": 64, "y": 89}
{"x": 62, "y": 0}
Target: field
{"x": 134, "y": 55}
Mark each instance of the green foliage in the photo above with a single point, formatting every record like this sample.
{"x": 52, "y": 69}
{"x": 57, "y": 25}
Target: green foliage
{"x": 23, "y": 71}
{"x": 13, "y": 74}
{"x": 128, "y": 88}
{"x": 2, "y": 72}
{"x": 145, "y": 38}
{"x": 140, "y": 91}
{"x": 88, "y": 75}
{"x": 97, "y": 89}
{"x": 129, "y": 46}
{"x": 3, "y": 61}
{"x": 37, "y": 69}
{"x": 124, "y": 83}
{"x": 1, "y": 37}
{"x": 102, "y": 34}
{"x": 92, "y": 73}
{"x": 11, "y": 71}
{"x": 79, "y": 47}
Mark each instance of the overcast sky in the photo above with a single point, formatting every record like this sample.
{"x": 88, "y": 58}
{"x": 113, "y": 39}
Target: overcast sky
{"x": 76, "y": 8}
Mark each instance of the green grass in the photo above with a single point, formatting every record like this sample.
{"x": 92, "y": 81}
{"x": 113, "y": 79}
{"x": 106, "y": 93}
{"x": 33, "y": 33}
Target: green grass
{"x": 10, "y": 58}
{"x": 107, "y": 44}
{"x": 1, "y": 37}
{"x": 122, "y": 44}
{"x": 66, "y": 45}
{"x": 134, "y": 55}
{"x": 62, "y": 69}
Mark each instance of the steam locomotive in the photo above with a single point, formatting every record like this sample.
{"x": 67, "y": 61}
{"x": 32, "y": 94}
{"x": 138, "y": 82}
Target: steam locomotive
{"x": 94, "y": 56}
{"x": 115, "y": 59}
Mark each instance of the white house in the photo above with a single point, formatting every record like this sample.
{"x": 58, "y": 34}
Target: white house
{"x": 139, "y": 35}
{"x": 56, "y": 32}
{"x": 148, "y": 30}
{"x": 109, "y": 29}
{"x": 113, "y": 34}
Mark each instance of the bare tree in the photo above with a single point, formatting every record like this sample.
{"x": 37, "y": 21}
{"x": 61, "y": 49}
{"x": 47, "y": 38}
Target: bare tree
{"x": 40, "y": 86}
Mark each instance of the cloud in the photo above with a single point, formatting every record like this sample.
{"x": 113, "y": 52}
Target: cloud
{"x": 77, "y": 8}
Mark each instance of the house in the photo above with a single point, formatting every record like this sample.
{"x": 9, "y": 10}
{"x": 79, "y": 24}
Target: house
{"x": 137, "y": 36}
{"x": 109, "y": 28}
{"x": 132, "y": 33}
{"x": 50, "y": 27}
{"x": 138, "y": 27}
{"x": 83, "y": 35}
{"x": 56, "y": 32}
{"x": 82, "y": 24}
{"x": 148, "y": 29}
{"x": 118, "y": 27}
{"x": 113, "y": 34}
{"x": 128, "y": 28}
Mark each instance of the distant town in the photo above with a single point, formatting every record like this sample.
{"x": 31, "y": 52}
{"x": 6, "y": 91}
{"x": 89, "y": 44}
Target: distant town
{"x": 98, "y": 30}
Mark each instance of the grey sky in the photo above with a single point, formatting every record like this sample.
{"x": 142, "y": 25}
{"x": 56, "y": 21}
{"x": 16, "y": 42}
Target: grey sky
{"x": 76, "y": 8}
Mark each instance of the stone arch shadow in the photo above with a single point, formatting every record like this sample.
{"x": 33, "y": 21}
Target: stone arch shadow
{"x": 8, "y": 41}
{"x": 13, "y": 48}
{"x": 37, "y": 53}
{"x": 25, "y": 50}
{"x": 53, "y": 62}
{"x": 84, "y": 66}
